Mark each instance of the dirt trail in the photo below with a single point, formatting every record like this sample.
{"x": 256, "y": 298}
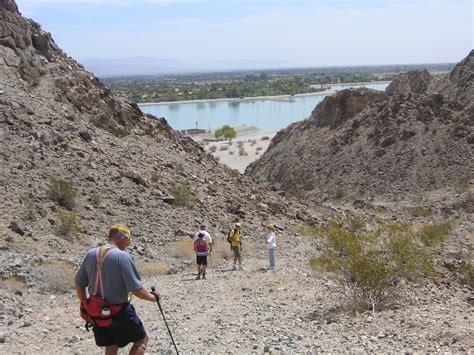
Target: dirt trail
{"x": 290, "y": 310}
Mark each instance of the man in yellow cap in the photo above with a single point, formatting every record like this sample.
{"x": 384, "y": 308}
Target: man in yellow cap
{"x": 108, "y": 277}
{"x": 236, "y": 245}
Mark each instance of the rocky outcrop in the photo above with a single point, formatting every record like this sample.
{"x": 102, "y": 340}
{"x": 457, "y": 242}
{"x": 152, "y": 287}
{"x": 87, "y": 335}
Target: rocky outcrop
{"x": 417, "y": 136}
{"x": 32, "y": 62}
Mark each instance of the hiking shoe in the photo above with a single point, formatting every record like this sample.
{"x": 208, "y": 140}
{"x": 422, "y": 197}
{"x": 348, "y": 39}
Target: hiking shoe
{"x": 241, "y": 268}
{"x": 198, "y": 277}
{"x": 234, "y": 268}
{"x": 203, "y": 276}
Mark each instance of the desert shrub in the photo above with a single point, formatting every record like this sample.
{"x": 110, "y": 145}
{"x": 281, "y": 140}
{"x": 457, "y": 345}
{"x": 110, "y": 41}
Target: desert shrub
{"x": 265, "y": 138}
{"x": 241, "y": 151}
{"x": 240, "y": 144}
{"x": 30, "y": 210}
{"x": 62, "y": 192}
{"x": 183, "y": 195}
{"x": 223, "y": 148}
{"x": 352, "y": 196}
{"x": 466, "y": 274}
{"x": 433, "y": 234}
{"x": 259, "y": 148}
{"x": 212, "y": 148}
{"x": 369, "y": 267}
{"x": 155, "y": 176}
{"x": 339, "y": 194}
{"x": 462, "y": 185}
{"x": 309, "y": 229}
{"x": 298, "y": 192}
{"x": 234, "y": 172}
{"x": 420, "y": 211}
{"x": 253, "y": 142}
{"x": 179, "y": 166}
{"x": 68, "y": 226}
{"x": 357, "y": 225}
{"x": 231, "y": 152}
{"x": 95, "y": 199}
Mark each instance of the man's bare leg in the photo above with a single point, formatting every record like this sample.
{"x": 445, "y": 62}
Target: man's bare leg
{"x": 111, "y": 350}
{"x": 139, "y": 347}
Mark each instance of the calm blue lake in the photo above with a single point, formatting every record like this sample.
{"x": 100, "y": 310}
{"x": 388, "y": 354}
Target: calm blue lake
{"x": 268, "y": 115}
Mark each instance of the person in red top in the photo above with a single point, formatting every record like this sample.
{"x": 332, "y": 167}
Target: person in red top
{"x": 201, "y": 247}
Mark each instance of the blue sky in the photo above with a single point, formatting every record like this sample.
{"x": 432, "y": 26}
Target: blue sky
{"x": 291, "y": 32}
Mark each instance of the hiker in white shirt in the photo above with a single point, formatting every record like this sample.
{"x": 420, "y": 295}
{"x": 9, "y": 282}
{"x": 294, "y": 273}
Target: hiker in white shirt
{"x": 207, "y": 236}
{"x": 271, "y": 245}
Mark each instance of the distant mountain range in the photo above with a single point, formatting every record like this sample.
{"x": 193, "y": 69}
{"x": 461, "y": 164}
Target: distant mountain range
{"x": 103, "y": 67}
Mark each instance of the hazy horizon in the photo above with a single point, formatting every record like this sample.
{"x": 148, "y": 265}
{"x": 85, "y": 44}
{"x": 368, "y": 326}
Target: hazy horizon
{"x": 271, "y": 33}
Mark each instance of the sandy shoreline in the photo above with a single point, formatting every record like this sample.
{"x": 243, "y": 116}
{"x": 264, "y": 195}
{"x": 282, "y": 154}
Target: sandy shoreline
{"x": 252, "y": 98}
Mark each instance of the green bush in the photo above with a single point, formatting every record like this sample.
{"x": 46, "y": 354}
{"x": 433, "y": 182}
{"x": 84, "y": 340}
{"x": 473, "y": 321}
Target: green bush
{"x": 62, "y": 192}
{"x": 68, "y": 226}
{"x": 370, "y": 266}
{"x": 433, "y": 234}
{"x": 298, "y": 192}
{"x": 96, "y": 199}
{"x": 183, "y": 195}
{"x": 31, "y": 210}
{"x": 420, "y": 211}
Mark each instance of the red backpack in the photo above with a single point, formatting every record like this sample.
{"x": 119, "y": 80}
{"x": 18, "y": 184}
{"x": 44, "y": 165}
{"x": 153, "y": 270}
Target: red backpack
{"x": 95, "y": 310}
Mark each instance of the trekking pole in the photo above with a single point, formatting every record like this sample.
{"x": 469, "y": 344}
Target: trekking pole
{"x": 164, "y": 319}
{"x": 212, "y": 268}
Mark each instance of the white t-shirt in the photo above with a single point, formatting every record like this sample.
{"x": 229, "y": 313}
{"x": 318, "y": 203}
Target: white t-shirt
{"x": 207, "y": 236}
{"x": 271, "y": 240}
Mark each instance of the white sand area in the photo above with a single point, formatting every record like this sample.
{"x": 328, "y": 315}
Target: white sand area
{"x": 250, "y": 143}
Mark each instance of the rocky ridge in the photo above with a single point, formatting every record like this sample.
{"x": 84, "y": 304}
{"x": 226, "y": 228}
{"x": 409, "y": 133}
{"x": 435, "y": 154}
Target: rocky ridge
{"x": 415, "y": 137}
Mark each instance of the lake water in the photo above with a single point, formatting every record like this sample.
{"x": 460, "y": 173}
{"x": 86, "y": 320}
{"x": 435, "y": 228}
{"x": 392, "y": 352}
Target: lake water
{"x": 268, "y": 115}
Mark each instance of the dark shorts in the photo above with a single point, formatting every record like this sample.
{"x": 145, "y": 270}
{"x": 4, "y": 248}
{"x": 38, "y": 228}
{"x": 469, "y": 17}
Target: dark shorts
{"x": 237, "y": 251}
{"x": 126, "y": 328}
{"x": 201, "y": 260}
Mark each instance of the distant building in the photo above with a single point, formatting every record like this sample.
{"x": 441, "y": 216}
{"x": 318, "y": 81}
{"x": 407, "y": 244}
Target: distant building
{"x": 192, "y": 131}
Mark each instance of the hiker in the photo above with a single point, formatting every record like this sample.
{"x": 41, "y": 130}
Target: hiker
{"x": 271, "y": 245}
{"x": 104, "y": 283}
{"x": 207, "y": 236}
{"x": 236, "y": 244}
{"x": 201, "y": 247}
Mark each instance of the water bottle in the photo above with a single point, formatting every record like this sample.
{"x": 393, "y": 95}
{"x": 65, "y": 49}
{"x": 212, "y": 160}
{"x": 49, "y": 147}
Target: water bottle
{"x": 105, "y": 311}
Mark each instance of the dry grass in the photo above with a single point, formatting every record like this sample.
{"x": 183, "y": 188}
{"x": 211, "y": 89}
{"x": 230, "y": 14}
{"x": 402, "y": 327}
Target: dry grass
{"x": 183, "y": 248}
{"x": 55, "y": 276}
{"x": 149, "y": 140}
{"x": 12, "y": 284}
{"x": 155, "y": 268}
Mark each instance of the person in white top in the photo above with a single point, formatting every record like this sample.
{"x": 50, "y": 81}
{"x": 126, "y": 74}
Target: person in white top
{"x": 271, "y": 245}
{"x": 208, "y": 239}
{"x": 207, "y": 236}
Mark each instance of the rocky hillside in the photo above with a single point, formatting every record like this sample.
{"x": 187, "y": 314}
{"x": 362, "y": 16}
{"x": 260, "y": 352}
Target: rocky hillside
{"x": 62, "y": 129}
{"x": 75, "y": 159}
{"x": 417, "y": 136}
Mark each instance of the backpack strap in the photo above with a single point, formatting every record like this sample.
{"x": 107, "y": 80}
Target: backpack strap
{"x": 101, "y": 255}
